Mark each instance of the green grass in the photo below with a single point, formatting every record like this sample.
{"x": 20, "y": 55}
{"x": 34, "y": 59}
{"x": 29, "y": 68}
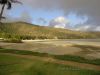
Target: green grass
{"x": 15, "y": 65}
{"x": 23, "y": 52}
{"x": 60, "y": 57}
{"x": 77, "y": 59}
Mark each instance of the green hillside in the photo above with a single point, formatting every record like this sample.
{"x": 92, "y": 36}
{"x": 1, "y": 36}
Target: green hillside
{"x": 23, "y": 30}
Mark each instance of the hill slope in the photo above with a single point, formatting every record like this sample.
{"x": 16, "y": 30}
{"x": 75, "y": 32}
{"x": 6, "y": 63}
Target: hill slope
{"x": 28, "y": 31}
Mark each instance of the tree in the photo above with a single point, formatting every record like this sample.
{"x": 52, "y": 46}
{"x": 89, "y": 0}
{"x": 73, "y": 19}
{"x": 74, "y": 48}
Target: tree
{"x": 9, "y": 5}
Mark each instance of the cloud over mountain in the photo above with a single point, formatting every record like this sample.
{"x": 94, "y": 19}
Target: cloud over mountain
{"x": 90, "y": 8}
{"x": 87, "y": 7}
{"x": 59, "y": 22}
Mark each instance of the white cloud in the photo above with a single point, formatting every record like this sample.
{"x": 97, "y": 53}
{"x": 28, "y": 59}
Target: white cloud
{"x": 59, "y": 22}
{"x": 82, "y": 28}
{"x": 62, "y": 22}
{"x": 81, "y": 7}
{"x": 88, "y": 27}
{"x": 97, "y": 28}
{"x": 60, "y": 26}
{"x": 87, "y": 7}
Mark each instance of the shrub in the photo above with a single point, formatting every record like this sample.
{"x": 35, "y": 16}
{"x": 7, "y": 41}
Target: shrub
{"x": 13, "y": 40}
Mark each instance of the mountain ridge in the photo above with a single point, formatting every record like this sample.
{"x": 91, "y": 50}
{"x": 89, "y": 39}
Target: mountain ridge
{"x": 31, "y": 31}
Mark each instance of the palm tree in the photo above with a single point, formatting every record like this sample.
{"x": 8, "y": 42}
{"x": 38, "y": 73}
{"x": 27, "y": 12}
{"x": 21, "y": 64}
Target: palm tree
{"x": 9, "y": 5}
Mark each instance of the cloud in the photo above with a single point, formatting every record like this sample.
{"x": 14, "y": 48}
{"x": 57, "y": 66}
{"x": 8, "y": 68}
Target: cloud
{"x": 90, "y": 8}
{"x": 87, "y": 28}
{"x": 41, "y": 20}
{"x": 24, "y": 17}
{"x": 87, "y": 7}
{"x": 59, "y": 22}
{"x": 62, "y": 22}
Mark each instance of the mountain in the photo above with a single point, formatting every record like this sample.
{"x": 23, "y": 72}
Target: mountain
{"x": 30, "y": 31}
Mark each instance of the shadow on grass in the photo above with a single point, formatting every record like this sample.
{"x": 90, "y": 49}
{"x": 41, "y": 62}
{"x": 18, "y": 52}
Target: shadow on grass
{"x": 59, "y": 57}
{"x": 87, "y": 47}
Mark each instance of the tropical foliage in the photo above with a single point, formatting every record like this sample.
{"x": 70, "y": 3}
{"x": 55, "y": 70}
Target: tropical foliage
{"x": 9, "y": 5}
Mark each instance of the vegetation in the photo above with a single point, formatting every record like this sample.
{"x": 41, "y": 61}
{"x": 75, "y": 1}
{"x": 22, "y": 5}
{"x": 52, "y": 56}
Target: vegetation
{"x": 77, "y": 59}
{"x": 9, "y": 5}
{"x": 13, "y": 40}
{"x": 23, "y": 52}
{"x": 10, "y": 65}
{"x": 60, "y": 57}
{"x": 21, "y": 30}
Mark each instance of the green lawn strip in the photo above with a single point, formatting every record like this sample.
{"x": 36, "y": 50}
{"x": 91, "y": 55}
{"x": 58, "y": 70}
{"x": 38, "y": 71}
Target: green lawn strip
{"x": 60, "y": 57}
{"x": 77, "y": 59}
{"x": 21, "y": 66}
{"x": 22, "y": 52}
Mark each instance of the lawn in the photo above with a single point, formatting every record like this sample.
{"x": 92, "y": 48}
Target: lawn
{"x": 59, "y": 57}
{"x": 16, "y": 65}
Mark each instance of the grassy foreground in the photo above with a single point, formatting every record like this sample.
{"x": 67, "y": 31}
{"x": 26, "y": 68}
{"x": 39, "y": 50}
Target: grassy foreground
{"x": 60, "y": 57}
{"x": 16, "y": 65}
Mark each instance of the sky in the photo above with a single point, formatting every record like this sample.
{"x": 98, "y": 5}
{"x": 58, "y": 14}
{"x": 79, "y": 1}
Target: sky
{"x": 82, "y": 15}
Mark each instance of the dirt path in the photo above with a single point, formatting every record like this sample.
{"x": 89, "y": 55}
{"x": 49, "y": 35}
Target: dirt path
{"x": 52, "y": 60}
